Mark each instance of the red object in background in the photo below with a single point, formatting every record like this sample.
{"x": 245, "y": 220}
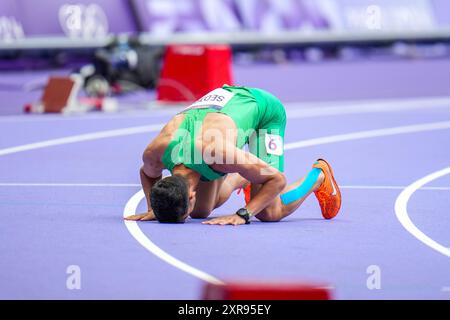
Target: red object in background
{"x": 57, "y": 94}
{"x": 191, "y": 71}
{"x": 265, "y": 291}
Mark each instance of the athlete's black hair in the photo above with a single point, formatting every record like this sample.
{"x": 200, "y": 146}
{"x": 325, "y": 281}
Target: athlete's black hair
{"x": 170, "y": 199}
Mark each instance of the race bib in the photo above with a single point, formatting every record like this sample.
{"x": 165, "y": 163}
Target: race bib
{"x": 217, "y": 99}
{"x": 274, "y": 144}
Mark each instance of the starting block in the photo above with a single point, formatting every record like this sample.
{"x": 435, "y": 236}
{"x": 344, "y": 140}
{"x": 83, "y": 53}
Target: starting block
{"x": 265, "y": 291}
{"x": 61, "y": 96}
{"x": 191, "y": 71}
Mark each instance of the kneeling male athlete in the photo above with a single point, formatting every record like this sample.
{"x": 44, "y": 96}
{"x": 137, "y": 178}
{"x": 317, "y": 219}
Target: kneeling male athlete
{"x": 203, "y": 149}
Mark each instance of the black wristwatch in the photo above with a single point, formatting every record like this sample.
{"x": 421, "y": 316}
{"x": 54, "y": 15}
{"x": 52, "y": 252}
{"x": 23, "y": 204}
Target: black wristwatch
{"x": 245, "y": 214}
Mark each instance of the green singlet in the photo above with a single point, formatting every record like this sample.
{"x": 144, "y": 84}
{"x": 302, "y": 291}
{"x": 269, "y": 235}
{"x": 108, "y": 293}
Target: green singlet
{"x": 260, "y": 119}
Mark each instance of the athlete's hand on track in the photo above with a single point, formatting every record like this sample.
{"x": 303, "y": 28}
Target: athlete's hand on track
{"x": 233, "y": 219}
{"x": 149, "y": 216}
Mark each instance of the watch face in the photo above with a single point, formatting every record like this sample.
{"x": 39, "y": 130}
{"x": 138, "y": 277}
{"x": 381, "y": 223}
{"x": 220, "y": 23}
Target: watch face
{"x": 242, "y": 212}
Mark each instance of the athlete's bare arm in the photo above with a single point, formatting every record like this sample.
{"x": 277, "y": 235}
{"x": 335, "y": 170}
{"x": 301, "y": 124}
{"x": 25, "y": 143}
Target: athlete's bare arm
{"x": 254, "y": 170}
{"x": 151, "y": 171}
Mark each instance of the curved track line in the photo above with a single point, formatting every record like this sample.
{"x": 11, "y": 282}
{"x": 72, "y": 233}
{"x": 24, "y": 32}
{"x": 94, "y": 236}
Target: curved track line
{"x": 138, "y": 197}
{"x": 401, "y": 211}
{"x": 137, "y": 233}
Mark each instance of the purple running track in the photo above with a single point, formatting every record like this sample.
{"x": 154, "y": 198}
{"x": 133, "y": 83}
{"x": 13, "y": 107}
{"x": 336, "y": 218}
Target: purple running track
{"x": 46, "y": 228}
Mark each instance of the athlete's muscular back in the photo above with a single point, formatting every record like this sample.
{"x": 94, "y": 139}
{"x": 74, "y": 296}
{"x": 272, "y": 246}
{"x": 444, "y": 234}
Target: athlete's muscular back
{"x": 216, "y": 130}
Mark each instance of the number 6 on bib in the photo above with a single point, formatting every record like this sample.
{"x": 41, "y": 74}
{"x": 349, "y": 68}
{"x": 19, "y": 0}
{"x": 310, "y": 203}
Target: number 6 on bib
{"x": 274, "y": 144}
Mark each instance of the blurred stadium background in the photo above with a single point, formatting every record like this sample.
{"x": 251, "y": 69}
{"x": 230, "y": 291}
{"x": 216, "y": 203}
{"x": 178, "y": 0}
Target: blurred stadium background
{"x": 301, "y": 50}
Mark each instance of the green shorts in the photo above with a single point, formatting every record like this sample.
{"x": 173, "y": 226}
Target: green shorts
{"x": 268, "y": 141}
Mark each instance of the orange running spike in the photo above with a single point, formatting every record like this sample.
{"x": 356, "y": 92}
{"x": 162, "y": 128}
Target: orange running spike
{"x": 329, "y": 194}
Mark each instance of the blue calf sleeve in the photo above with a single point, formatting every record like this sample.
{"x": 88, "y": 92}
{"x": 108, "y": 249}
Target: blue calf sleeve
{"x": 303, "y": 189}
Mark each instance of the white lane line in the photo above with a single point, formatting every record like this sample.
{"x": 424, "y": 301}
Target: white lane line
{"x": 369, "y": 134}
{"x": 401, "y": 211}
{"x": 76, "y": 185}
{"x": 311, "y": 110}
{"x": 138, "y": 197}
{"x": 81, "y": 138}
{"x": 137, "y": 185}
{"x": 156, "y": 127}
{"x": 149, "y": 113}
{"x": 137, "y": 233}
{"x": 393, "y": 188}
{"x": 294, "y": 110}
